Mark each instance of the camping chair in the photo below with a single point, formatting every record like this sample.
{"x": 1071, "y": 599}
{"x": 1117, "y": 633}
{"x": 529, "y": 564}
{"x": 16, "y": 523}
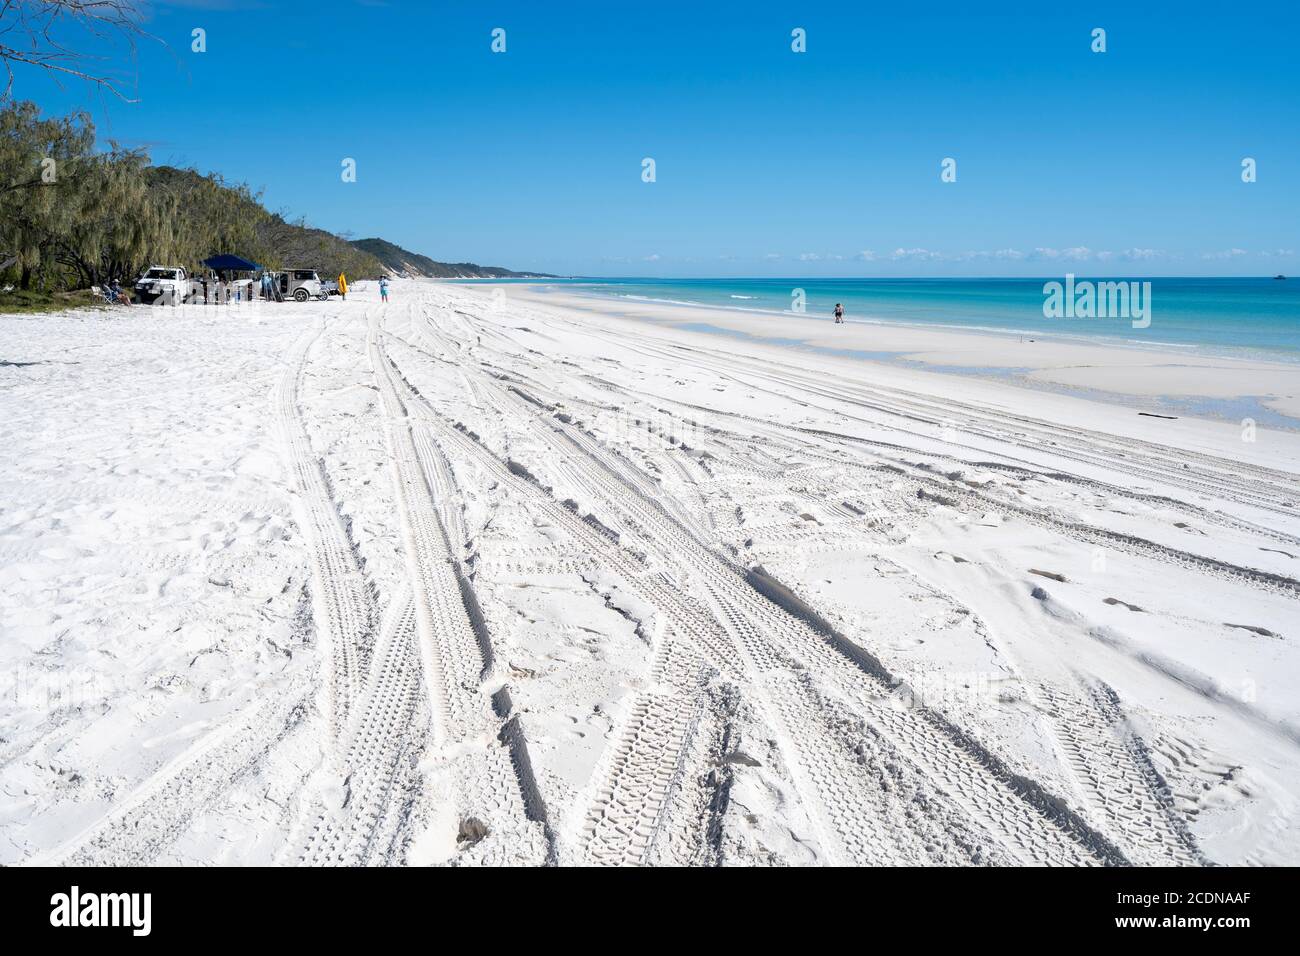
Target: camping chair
{"x": 105, "y": 293}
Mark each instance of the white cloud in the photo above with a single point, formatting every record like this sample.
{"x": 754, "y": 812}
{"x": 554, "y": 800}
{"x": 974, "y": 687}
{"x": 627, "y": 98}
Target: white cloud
{"x": 1002, "y": 254}
{"x": 1073, "y": 254}
{"x": 653, "y": 257}
{"x": 1069, "y": 254}
{"x": 915, "y": 254}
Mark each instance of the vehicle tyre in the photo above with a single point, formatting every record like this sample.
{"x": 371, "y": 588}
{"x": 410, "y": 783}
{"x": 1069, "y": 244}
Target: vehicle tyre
{"x": 301, "y": 295}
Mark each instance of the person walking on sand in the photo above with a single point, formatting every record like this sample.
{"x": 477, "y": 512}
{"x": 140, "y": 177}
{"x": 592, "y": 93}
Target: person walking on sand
{"x": 343, "y": 287}
{"x": 383, "y": 288}
{"x": 839, "y": 314}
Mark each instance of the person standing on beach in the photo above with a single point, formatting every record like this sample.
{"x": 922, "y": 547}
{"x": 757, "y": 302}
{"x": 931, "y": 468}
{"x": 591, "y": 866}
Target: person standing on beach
{"x": 839, "y": 314}
{"x": 383, "y": 288}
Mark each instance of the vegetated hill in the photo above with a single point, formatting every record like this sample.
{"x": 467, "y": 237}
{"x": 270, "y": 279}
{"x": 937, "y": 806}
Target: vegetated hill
{"x": 413, "y": 265}
{"x": 227, "y": 218}
{"x": 291, "y": 245}
{"x": 217, "y": 216}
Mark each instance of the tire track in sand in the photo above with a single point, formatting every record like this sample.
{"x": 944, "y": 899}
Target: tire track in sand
{"x": 641, "y": 772}
{"x": 1009, "y": 815}
{"x": 377, "y": 737}
{"x": 342, "y": 600}
{"x": 1025, "y": 819}
{"x": 629, "y": 800}
{"x": 138, "y": 829}
{"x": 466, "y": 731}
{"x": 1114, "y": 768}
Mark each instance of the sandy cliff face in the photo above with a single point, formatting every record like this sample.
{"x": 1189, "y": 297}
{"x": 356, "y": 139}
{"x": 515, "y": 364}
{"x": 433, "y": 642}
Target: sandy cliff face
{"x": 412, "y": 265}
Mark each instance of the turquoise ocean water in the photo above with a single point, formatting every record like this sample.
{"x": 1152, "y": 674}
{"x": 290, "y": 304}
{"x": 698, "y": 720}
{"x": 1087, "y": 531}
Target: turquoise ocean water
{"x": 1248, "y": 318}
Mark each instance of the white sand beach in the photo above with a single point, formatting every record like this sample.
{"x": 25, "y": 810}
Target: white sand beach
{"x": 1133, "y": 370}
{"x": 494, "y": 575}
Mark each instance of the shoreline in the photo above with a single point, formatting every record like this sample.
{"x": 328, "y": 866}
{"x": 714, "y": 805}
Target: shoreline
{"x": 1164, "y": 378}
{"x": 1101, "y": 341}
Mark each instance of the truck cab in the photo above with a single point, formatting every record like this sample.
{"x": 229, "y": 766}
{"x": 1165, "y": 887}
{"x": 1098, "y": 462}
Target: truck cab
{"x": 168, "y": 284}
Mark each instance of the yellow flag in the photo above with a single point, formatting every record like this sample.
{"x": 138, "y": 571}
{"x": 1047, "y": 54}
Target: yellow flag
{"x": 343, "y": 283}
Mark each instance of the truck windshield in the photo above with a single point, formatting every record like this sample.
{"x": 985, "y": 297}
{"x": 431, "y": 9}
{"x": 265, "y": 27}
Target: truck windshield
{"x": 160, "y": 274}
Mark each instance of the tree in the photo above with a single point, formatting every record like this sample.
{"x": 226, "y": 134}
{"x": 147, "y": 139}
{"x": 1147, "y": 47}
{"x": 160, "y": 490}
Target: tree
{"x": 56, "y": 35}
{"x": 73, "y": 216}
{"x": 37, "y": 157}
{"x": 63, "y": 205}
{"x": 215, "y": 216}
{"x": 112, "y": 223}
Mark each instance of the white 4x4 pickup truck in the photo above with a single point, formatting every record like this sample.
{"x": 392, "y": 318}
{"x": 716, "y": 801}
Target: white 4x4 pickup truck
{"x": 162, "y": 282}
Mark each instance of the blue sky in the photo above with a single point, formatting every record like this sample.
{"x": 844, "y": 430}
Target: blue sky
{"x": 768, "y": 162}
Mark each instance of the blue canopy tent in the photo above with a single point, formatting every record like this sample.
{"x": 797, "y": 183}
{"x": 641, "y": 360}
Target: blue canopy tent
{"x": 228, "y": 263}
{"x": 228, "y": 288}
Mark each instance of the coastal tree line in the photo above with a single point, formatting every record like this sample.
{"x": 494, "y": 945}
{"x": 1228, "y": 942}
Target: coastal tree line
{"x": 74, "y": 213}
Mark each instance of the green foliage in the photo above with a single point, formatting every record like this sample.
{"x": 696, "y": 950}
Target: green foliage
{"x": 91, "y": 217}
{"x": 32, "y": 211}
{"x": 289, "y": 245}
{"x": 72, "y": 216}
{"x": 108, "y": 222}
{"x": 211, "y": 216}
